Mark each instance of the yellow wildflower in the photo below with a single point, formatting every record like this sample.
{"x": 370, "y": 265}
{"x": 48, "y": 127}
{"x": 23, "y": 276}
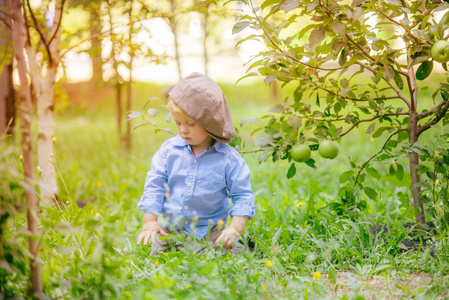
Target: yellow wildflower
{"x": 437, "y": 181}
{"x": 317, "y": 275}
{"x": 269, "y": 263}
{"x": 264, "y": 287}
{"x": 220, "y": 222}
{"x": 188, "y": 287}
{"x": 155, "y": 264}
{"x": 54, "y": 139}
{"x": 299, "y": 204}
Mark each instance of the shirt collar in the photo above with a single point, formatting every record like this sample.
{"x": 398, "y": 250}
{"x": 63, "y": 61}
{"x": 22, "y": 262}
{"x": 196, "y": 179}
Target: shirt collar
{"x": 179, "y": 141}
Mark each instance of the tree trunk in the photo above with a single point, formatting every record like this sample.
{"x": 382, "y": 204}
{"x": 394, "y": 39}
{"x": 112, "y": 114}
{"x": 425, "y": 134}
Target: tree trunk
{"x": 206, "y": 34}
{"x": 19, "y": 38}
{"x": 95, "y": 50}
{"x": 414, "y": 162}
{"x": 7, "y": 99}
{"x": 130, "y": 81}
{"x": 413, "y": 135}
{"x": 118, "y": 89}
{"x": 274, "y": 90}
{"x": 45, "y": 105}
{"x": 118, "y": 85}
{"x": 172, "y": 22}
{"x": 45, "y": 148}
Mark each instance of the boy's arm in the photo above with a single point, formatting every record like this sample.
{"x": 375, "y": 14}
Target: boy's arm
{"x": 230, "y": 235}
{"x": 150, "y": 229}
{"x": 239, "y": 223}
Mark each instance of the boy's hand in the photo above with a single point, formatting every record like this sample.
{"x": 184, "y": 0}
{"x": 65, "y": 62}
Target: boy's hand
{"x": 229, "y": 238}
{"x": 150, "y": 231}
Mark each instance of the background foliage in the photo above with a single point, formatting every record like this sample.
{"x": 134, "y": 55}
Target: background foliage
{"x": 90, "y": 251}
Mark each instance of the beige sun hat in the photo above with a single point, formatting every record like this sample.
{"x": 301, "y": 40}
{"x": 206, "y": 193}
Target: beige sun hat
{"x": 204, "y": 101}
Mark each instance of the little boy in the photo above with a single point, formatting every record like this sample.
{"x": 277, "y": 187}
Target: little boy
{"x": 194, "y": 174}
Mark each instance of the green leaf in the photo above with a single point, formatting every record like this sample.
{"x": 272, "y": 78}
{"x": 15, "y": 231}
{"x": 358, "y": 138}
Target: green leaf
{"x": 252, "y": 36}
{"x": 373, "y": 172}
{"x": 277, "y": 265}
{"x": 342, "y": 58}
{"x": 288, "y": 5}
{"x": 332, "y": 276}
{"x": 444, "y": 21}
{"x": 345, "y": 176}
{"x": 339, "y": 27}
{"x": 317, "y": 36}
{"x": 398, "y": 80}
{"x": 311, "y": 162}
{"x": 276, "y": 236}
{"x": 371, "y": 128}
{"x": 424, "y": 70}
{"x": 246, "y": 76}
{"x": 291, "y": 171}
{"x": 372, "y": 194}
{"x": 400, "y": 172}
{"x": 269, "y": 2}
{"x": 240, "y": 26}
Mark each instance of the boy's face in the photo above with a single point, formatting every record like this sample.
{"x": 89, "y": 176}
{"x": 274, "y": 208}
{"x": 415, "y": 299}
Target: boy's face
{"x": 191, "y": 132}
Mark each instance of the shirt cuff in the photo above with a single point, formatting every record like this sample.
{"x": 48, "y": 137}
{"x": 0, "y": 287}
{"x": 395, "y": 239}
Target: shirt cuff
{"x": 150, "y": 206}
{"x": 243, "y": 208}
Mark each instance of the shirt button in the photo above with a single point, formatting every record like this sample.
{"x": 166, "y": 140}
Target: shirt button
{"x": 195, "y": 161}
{"x": 186, "y": 207}
{"x": 186, "y": 222}
{"x": 189, "y": 183}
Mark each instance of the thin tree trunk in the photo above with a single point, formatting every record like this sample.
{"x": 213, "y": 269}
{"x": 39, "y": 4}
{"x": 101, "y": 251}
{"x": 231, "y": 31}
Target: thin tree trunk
{"x": 45, "y": 148}
{"x": 130, "y": 81}
{"x": 19, "y": 38}
{"x": 172, "y": 21}
{"x": 118, "y": 97}
{"x": 274, "y": 90}
{"x": 206, "y": 34}
{"x": 413, "y": 138}
{"x": 414, "y": 162}
{"x": 95, "y": 50}
{"x": 118, "y": 86}
{"x": 7, "y": 101}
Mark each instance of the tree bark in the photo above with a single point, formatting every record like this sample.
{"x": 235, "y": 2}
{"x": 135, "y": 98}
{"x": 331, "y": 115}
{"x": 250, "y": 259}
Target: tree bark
{"x": 413, "y": 135}
{"x": 45, "y": 105}
{"x": 118, "y": 97}
{"x": 95, "y": 50}
{"x": 118, "y": 85}
{"x": 130, "y": 80}
{"x": 206, "y": 34}
{"x": 19, "y": 38}
{"x": 414, "y": 162}
{"x": 7, "y": 97}
{"x": 172, "y": 23}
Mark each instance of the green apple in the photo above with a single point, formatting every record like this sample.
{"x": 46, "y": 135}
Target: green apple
{"x": 301, "y": 153}
{"x": 440, "y": 51}
{"x": 328, "y": 149}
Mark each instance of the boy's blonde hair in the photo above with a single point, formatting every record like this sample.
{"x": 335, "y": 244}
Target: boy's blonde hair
{"x": 173, "y": 107}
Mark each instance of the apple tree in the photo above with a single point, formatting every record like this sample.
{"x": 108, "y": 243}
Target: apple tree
{"x": 355, "y": 64}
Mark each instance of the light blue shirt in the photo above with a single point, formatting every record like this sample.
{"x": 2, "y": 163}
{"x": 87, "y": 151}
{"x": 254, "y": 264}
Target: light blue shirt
{"x": 197, "y": 189}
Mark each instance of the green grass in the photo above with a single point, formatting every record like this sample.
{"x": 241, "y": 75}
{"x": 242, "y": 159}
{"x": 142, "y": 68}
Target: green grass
{"x": 90, "y": 252}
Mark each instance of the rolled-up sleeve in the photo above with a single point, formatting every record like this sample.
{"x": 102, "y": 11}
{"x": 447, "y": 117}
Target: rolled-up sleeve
{"x": 239, "y": 187}
{"x": 153, "y": 197}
